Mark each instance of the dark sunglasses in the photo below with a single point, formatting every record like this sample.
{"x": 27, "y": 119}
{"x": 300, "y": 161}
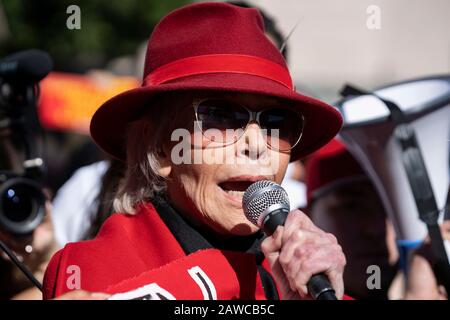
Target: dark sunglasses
{"x": 282, "y": 127}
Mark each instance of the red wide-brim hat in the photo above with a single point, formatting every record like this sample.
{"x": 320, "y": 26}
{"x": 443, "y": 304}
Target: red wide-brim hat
{"x": 219, "y": 47}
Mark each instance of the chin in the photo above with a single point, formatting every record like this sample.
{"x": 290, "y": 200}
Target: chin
{"x": 244, "y": 229}
{"x": 232, "y": 222}
{"x": 226, "y": 215}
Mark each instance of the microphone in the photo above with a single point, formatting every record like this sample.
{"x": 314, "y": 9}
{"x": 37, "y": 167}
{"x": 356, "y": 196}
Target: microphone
{"x": 266, "y": 204}
{"x": 28, "y": 66}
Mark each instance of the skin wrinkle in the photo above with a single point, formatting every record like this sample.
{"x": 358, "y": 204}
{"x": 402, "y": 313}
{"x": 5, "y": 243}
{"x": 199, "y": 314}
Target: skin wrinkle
{"x": 194, "y": 190}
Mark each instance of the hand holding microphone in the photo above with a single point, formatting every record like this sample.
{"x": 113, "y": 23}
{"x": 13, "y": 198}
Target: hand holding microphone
{"x": 304, "y": 260}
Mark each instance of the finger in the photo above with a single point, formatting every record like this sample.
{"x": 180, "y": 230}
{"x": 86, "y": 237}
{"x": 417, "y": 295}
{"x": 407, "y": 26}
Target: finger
{"x": 442, "y": 293}
{"x": 83, "y": 295}
{"x": 300, "y": 244}
{"x": 293, "y": 255}
{"x": 327, "y": 261}
{"x": 301, "y": 279}
{"x": 99, "y": 296}
{"x": 74, "y": 295}
{"x": 296, "y": 220}
{"x": 291, "y": 262}
{"x": 309, "y": 269}
{"x": 445, "y": 229}
{"x": 301, "y": 236}
{"x": 337, "y": 283}
{"x": 446, "y": 224}
{"x": 335, "y": 271}
{"x": 446, "y": 235}
{"x": 272, "y": 244}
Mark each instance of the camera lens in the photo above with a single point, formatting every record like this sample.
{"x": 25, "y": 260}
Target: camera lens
{"x": 22, "y": 206}
{"x": 18, "y": 203}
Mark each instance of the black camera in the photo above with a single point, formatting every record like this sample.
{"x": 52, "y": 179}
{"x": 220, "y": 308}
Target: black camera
{"x": 22, "y": 200}
{"x": 22, "y": 204}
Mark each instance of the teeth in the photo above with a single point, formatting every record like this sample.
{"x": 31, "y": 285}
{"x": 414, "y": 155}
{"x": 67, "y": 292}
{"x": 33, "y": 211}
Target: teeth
{"x": 234, "y": 193}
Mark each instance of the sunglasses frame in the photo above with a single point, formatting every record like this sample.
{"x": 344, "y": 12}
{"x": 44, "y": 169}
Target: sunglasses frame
{"x": 254, "y": 117}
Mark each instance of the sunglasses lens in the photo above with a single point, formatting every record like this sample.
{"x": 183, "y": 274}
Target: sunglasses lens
{"x": 284, "y": 128}
{"x": 218, "y": 116}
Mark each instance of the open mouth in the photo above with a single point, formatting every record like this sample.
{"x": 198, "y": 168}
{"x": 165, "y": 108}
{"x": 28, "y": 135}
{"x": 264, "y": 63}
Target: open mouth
{"x": 236, "y": 187}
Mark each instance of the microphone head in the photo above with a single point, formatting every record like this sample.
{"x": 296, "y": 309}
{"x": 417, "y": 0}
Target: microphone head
{"x": 260, "y": 196}
{"x": 26, "y": 66}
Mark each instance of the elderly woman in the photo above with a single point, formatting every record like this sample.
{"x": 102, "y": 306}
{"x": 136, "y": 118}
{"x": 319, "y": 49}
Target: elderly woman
{"x": 217, "y": 111}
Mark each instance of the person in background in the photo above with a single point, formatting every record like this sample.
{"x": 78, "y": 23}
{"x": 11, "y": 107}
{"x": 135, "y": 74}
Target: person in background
{"x": 422, "y": 283}
{"x": 34, "y": 249}
{"x": 343, "y": 201}
{"x": 85, "y": 201}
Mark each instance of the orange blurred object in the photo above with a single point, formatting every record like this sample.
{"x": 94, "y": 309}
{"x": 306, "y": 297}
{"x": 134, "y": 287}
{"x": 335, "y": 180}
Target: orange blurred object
{"x": 68, "y": 101}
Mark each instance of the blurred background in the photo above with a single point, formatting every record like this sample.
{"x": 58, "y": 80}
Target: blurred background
{"x": 331, "y": 44}
{"x": 365, "y": 42}
{"x": 368, "y": 43}
{"x": 89, "y": 66}
{"x": 104, "y": 24}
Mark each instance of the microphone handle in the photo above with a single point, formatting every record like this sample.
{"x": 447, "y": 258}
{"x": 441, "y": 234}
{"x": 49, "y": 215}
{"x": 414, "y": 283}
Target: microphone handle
{"x": 319, "y": 287}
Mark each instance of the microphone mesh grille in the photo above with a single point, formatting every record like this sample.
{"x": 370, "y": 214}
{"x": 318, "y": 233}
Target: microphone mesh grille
{"x": 261, "y": 195}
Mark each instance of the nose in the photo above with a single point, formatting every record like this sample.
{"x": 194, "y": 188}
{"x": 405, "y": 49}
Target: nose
{"x": 253, "y": 143}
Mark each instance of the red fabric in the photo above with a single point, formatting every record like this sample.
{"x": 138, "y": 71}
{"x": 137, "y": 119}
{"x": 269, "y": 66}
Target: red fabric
{"x": 220, "y": 63}
{"x": 220, "y": 268}
{"x": 208, "y": 29}
{"x": 134, "y": 250}
{"x": 331, "y": 163}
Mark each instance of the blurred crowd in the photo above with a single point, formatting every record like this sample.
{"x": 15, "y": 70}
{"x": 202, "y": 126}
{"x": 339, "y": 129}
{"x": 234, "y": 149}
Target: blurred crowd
{"x": 80, "y": 183}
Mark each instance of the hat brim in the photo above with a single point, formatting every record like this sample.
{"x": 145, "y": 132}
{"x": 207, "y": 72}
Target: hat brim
{"x": 110, "y": 122}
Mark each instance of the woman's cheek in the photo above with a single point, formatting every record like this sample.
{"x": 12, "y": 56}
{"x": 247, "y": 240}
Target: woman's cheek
{"x": 200, "y": 189}
{"x": 280, "y": 162}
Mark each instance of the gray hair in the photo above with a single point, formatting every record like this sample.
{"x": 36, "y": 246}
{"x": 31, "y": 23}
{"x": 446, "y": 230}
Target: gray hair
{"x": 145, "y": 138}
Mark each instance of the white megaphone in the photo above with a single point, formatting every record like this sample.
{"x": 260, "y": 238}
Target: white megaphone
{"x": 369, "y": 134}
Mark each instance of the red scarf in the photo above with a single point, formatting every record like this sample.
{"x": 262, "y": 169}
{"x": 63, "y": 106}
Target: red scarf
{"x": 138, "y": 257}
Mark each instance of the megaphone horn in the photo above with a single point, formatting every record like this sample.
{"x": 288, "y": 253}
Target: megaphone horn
{"x": 400, "y": 136}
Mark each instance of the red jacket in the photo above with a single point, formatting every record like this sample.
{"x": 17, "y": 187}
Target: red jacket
{"x": 138, "y": 257}
{"x": 138, "y": 251}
